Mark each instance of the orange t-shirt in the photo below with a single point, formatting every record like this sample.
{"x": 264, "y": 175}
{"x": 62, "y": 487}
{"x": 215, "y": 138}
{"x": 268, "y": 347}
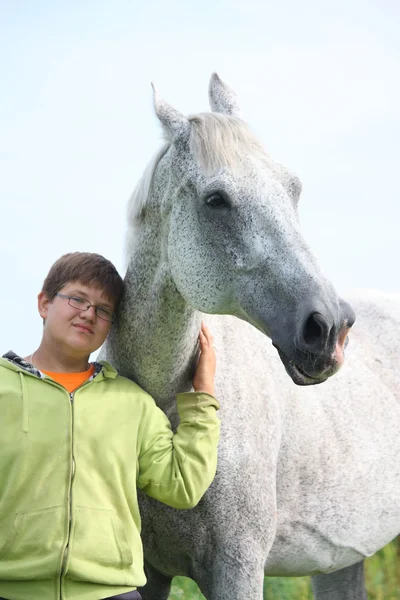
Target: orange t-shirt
{"x": 71, "y": 381}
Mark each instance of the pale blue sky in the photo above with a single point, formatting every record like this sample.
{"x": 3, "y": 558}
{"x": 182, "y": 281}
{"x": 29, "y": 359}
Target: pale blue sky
{"x": 318, "y": 82}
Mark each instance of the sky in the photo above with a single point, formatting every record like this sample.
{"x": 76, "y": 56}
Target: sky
{"x": 318, "y": 82}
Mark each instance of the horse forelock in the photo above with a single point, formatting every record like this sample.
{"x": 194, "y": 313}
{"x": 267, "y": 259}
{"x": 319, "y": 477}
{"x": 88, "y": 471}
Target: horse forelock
{"x": 218, "y": 141}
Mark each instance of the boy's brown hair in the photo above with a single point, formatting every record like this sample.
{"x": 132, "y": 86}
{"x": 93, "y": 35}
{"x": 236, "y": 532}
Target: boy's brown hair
{"x": 88, "y": 268}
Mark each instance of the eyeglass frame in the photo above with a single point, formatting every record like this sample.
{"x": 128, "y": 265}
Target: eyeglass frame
{"x": 112, "y": 314}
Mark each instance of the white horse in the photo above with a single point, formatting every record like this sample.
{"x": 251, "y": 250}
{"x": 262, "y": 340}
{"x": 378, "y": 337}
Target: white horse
{"x": 308, "y": 479}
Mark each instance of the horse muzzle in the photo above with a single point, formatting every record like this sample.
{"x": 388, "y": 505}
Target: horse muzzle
{"x": 309, "y": 369}
{"x": 317, "y": 350}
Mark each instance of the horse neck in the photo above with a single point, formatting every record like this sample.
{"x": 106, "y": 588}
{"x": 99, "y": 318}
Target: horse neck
{"x": 154, "y": 341}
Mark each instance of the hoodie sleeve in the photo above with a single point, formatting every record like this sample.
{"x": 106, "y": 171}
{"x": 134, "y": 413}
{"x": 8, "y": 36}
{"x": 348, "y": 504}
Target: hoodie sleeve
{"x": 178, "y": 468}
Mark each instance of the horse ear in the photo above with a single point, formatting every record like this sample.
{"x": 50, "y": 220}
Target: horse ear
{"x": 222, "y": 98}
{"x": 173, "y": 121}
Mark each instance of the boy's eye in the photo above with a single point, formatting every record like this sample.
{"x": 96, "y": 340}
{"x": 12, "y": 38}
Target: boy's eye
{"x": 78, "y": 300}
{"x": 103, "y": 312}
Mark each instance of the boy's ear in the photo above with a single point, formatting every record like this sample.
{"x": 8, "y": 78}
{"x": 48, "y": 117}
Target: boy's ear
{"x": 43, "y": 304}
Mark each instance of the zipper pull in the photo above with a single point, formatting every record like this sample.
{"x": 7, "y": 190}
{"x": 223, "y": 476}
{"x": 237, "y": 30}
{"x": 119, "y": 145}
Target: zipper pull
{"x": 71, "y": 397}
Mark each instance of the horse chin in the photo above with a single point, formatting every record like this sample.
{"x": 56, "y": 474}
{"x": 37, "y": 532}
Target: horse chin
{"x": 296, "y": 374}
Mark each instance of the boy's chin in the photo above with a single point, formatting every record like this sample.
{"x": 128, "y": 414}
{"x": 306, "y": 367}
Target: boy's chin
{"x": 83, "y": 349}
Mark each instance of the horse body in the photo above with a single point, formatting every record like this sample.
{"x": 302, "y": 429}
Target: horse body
{"x": 307, "y": 477}
{"x": 338, "y": 480}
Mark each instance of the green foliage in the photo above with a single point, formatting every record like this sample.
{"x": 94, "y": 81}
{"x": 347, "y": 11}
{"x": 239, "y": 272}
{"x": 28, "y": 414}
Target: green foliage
{"x": 382, "y": 573}
{"x": 184, "y": 589}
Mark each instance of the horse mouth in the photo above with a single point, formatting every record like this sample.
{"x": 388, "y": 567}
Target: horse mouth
{"x": 298, "y": 376}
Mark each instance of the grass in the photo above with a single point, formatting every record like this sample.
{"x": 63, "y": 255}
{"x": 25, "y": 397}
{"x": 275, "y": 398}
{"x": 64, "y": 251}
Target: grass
{"x": 382, "y": 574}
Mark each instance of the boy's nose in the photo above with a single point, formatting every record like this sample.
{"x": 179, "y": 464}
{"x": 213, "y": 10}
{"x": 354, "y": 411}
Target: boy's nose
{"x": 89, "y": 313}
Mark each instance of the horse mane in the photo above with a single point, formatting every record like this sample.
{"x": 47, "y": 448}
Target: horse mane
{"x": 216, "y": 141}
{"x": 138, "y": 199}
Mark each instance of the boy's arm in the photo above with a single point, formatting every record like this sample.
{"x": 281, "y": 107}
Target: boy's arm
{"x": 178, "y": 469}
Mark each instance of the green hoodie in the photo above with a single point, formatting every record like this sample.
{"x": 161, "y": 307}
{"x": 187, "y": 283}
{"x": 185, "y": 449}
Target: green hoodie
{"x": 69, "y": 468}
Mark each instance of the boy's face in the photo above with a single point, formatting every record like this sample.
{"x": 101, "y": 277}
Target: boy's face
{"x": 80, "y": 332}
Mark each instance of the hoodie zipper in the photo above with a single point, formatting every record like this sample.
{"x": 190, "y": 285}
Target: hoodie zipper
{"x": 71, "y": 477}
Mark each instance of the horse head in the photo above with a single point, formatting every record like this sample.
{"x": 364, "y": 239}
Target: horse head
{"x": 232, "y": 237}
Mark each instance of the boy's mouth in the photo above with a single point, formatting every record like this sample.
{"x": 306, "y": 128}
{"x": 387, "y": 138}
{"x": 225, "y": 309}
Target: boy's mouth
{"x": 83, "y": 328}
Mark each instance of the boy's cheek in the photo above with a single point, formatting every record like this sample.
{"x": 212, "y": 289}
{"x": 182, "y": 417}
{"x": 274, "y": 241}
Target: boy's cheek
{"x": 101, "y": 335}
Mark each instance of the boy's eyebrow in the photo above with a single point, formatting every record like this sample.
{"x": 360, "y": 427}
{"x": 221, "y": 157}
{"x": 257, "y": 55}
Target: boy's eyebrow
{"x": 79, "y": 292}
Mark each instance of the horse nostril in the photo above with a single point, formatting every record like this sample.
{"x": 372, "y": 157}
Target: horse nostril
{"x": 315, "y": 330}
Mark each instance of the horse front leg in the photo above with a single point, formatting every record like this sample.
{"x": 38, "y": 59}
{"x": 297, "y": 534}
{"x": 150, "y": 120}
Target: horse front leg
{"x": 345, "y": 584}
{"x": 228, "y": 579}
{"x": 158, "y": 586}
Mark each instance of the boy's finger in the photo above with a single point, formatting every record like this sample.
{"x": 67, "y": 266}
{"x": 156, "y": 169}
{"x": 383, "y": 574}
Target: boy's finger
{"x": 207, "y": 332}
{"x": 204, "y": 343}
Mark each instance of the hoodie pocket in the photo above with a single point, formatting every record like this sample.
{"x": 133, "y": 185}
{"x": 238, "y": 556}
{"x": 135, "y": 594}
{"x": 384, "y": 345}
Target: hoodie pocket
{"x": 98, "y": 543}
{"x": 33, "y": 546}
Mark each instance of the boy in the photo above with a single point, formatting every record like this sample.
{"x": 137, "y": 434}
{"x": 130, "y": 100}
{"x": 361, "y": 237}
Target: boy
{"x": 76, "y": 440}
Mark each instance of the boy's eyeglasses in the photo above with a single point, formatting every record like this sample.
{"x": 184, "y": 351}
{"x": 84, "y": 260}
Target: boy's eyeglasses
{"x": 81, "y": 304}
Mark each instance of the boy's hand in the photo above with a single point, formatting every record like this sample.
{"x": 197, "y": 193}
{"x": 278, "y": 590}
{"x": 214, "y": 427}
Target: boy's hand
{"x": 203, "y": 380}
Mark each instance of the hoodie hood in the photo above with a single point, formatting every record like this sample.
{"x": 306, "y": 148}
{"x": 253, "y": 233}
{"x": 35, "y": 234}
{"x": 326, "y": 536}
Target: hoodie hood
{"x": 19, "y": 363}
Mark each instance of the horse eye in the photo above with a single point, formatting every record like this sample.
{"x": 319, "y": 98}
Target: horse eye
{"x": 216, "y": 201}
